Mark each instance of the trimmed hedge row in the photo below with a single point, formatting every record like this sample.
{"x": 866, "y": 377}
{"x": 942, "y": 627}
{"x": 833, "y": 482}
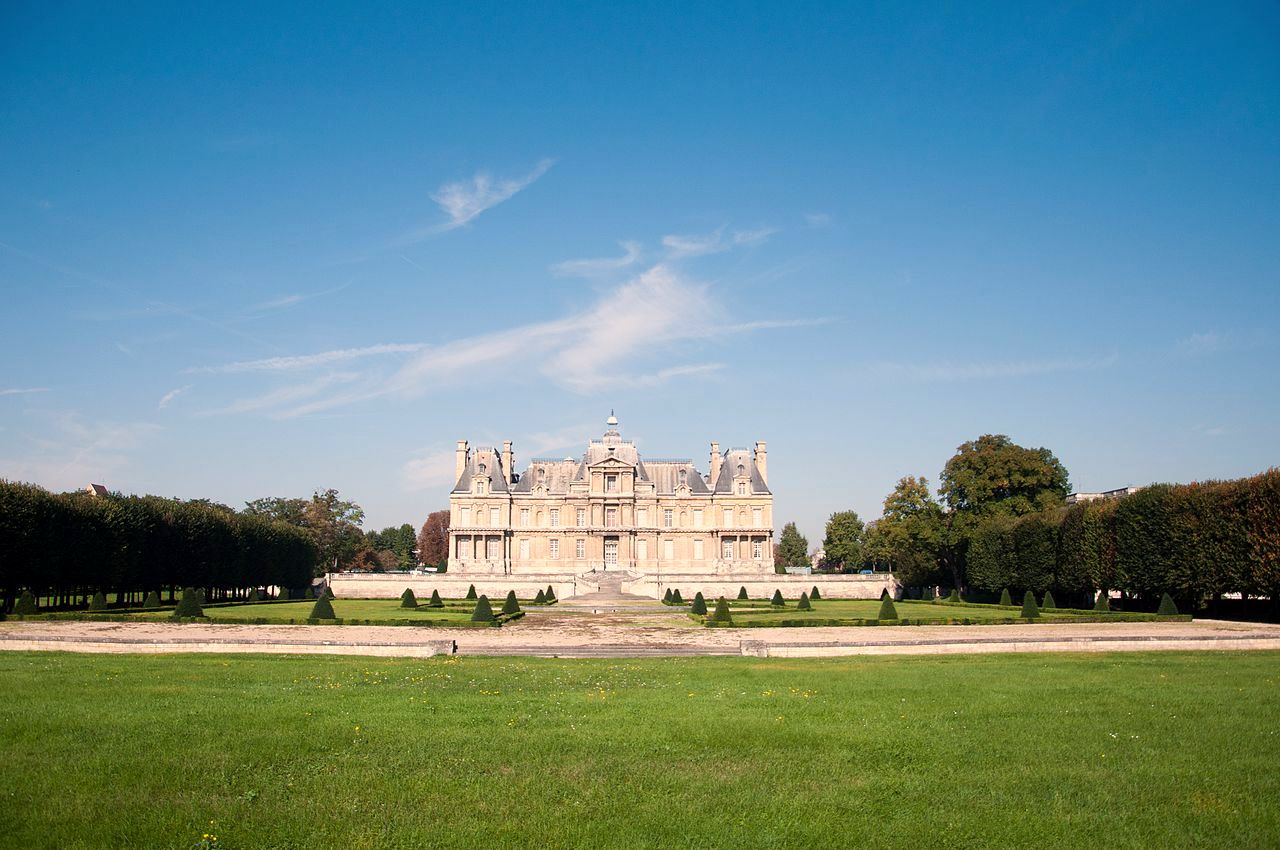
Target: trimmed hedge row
{"x": 768, "y": 623}
{"x": 82, "y": 616}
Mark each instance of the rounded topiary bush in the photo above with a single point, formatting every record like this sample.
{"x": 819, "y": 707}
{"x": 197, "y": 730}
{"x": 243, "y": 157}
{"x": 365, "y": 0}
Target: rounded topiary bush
{"x": 152, "y": 600}
{"x": 436, "y": 601}
{"x": 98, "y": 602}
{"x": 927, "y": 595}
{"x": 721, "y": 613}
{"x": 1005, "y": 598}
{"x": 26, "y": 604}
{"x": 540, "y": 598}
{"x": 310, "y": 593}
{"x": 189, "y": 605}
{"x": 666, "y": 597}
{"x": 1103, "y": 602}
{"x": 1049, "y": 601}
{"x": 471, "y": 592}
{"x": 699, "y": 604}
{"x": 512, "y": 605}
{"x": 887, "y": 609}
{"x": 551, "y": 594}
{"x": 323, "y": 609}
{"x": 1167, "y": 607}
{"x": 742, "y": 593}
{"x": 676, "y": 598}
{"x": 408, "y": 599}
{"x": 777, "y": 598}
{"x": 483, "y": 612}
{"x": 814, "y": 594}
{"x": 955, "y": 595}
{"x": 1029, "y": 609}
{"x": 804, "y": 603}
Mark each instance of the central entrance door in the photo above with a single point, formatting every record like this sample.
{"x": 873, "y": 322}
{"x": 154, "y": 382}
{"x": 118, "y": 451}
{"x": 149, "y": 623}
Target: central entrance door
{"x": 610, "y": 552}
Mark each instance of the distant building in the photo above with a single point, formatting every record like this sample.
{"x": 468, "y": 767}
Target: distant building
{"x": 96, "y": 489}
{"x": 1105, "y": 494}
{"x": 611, "y": 509}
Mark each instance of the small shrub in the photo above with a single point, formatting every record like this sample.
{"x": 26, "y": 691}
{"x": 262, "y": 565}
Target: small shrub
{"x": 1005, "y": 598}
{"x": 887, "y": 609}
{"x": 512, "y": 605}
{"x": 551, "y": 594}
{"x": 26, "y": 604}
{"x": 742, "y": 593}
{"x": 283, "y": 594}
{"x": 407, "y": 599}
{"x": 1049, "y": 601}
{"x": 676, "y": 598}
{"x": 1167, "y": 607}
{"x": 323, "y": 609}
{"x": 777, "y": 598}
{"x": 189, "y": 605}
{"x": 814, "y": 594}
{"x": 328, "y": 592}
{"x": 927, "y": 595}
{"x": 721, "y": 614}
{"x": 1029, "y": 609}
{"x": 436, "y": 601}
{"x": 699, "y": 604}
{"x": 804, "y": 603}
{"x": 666, "y": 597}
{"x": 98, "y": 602}
{"x": 540, "y": 598}
{"x": 1103, "y": 602}
{"x": 483, "y": 612}
{"x": 311, "y": 593}
{"x": 955, "y": 595}
{"x": 471, "y": 592}
{"x": 254, "y": 596}
{"x": 152, "y": 600}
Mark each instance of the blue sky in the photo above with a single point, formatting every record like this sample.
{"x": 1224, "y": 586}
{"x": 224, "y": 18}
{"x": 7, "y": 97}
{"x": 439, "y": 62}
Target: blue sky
{"x": 262, "y": 251}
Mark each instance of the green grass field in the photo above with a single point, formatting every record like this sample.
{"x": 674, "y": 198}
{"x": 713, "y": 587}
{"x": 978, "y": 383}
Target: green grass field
{"x": 1124, "y": 750}
{"x": 348, "y": 609}
{"x": 870, "y": 609}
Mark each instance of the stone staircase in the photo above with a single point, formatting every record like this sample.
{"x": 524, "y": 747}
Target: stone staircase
{"x": 609, "y": 595}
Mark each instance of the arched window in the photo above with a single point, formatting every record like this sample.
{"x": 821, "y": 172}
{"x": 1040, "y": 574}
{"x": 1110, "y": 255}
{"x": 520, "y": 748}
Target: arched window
{"x": 483, "y": 468}
{"x": 742, "y": 470}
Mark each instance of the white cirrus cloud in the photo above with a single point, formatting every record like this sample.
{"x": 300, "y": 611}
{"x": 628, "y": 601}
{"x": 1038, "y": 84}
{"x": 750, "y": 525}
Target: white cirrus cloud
{"x": 601, "y": 265}
{"x": 309, "y": 361}
{"x": 463, "y": 200}
{"x": 167, "y": 398}
{"x": 24, "y": 390}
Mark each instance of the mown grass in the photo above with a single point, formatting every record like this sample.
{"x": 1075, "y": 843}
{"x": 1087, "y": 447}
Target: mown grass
{"x": 347, "y": 609}
{"x": 1124, "y": 750}
{"x": 870, "y": 609}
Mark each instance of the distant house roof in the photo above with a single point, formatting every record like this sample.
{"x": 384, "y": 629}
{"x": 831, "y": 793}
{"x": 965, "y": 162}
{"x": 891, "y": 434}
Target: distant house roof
{"x": 96, "y": 489}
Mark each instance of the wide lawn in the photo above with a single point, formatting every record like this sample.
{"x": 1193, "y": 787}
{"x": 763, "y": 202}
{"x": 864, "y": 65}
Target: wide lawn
{"x": 348, "y": 609}
{"x": 1125, "y": 750}
{"x": 870, "y": 609}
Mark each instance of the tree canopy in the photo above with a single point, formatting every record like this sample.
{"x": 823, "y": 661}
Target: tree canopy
{"x": 793, "y": 548}
{"x": 843, "y": 545}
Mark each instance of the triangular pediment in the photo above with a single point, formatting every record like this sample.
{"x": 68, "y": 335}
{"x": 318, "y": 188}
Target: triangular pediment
{"x": 611, "y": 463}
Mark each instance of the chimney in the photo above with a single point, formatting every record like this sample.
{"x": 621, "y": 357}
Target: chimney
{"x": 715, "y": 463}
{"x": 762, "y": 462}
{"x": 508, "y": 458}
{"x": 461, "y": 460}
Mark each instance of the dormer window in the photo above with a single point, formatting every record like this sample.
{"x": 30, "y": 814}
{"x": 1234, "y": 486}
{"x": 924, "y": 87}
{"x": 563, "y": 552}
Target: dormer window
{"x": 742, "y": 470}
{"x": 683, "y": 475}
{"x": 611, "y": 483}
{"x": 483, "y": 468}
{"x": 742, "y": 488}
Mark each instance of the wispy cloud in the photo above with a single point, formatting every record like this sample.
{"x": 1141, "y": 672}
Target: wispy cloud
{"x": 464, "y": 200}
{"x": 751, "y": 237}
{"x": 69, "y": 451}
{"x": 293, "y": 299}
{"x": 598, "y": 266}
{"x": 24, "y": 390}
{"x": 680, "y": 246}
{"x": 1203, "y": 343}
{"x": 278, "y": 402}
{"x": 948, "y": 372}
{"x": 663, "y": 375}
{"x": 167, "y": 398}
{"x": 309, "y": 361}
{"x": 433, "y": 467}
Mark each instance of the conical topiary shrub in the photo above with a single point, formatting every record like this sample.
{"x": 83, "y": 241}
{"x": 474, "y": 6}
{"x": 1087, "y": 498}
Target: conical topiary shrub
{"x": 1029, "y": 609}
{"x": 189, "y": 605}
{"x": 328, "y": 592}
{"x": 26, "y": 604}
{"x": 98, "y": 602}
{"x": 310, "y": 593}
{"x": 540, "y": 598}
{"x": 323, "y": 609}
{"x": 152, "y": 600}
{"x": 699, "y": 604}
{"x": 282, "y": 594}
{"x": 814, "y": 594}
{"x": 407, "y": 599}
{"x": 804, "y": 603}
{"x": 1005, "y": 598}
{"x": 1167, "y": 607}
{"x": 436, "y": 601}
{"x": 676, "y": 598}
{"x": 884, "y": 593}
{"x": 721, "y": 614}
{"x": 551, "y": 594}
{"x": 1103, "y": 602}
{"x": 471, "y": 592}
{"x": 887, "y": 609}
{"x": 666, "y": 597}
{"x": 955, "y": 595}
{"x": 1049, "y": 601}
{"x": 777, "y": 598}
{"x": 483, "y": 613}
{"x": 927, "y": 595}
{"x": 512, "y": 605}
{"x": 742, "y": 593}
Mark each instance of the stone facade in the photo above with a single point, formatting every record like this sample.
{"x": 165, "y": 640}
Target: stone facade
{"x": 610, "y": 510}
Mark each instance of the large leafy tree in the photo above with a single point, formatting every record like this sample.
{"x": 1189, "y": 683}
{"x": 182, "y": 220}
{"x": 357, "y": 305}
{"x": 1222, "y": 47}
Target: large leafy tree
{"x": 333, "y": 523}
{"x": 843, "y": 544}
{"x": 433, "y": 539}
{"x": 793, "y": 548}
{"x": 910, "y": 534}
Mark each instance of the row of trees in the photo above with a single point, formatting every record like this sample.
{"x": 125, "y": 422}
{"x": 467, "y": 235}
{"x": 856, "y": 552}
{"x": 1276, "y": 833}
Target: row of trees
{"x": 1195, "y": 542}
{"x": 72, "y": 545}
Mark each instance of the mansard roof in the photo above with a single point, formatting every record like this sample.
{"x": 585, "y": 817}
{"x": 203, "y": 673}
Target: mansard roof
{"x": 493, "y": 471}
{"x": 555, "y": 475}
{"x": 665, "y": 476}
{"x": 733, "y": 458}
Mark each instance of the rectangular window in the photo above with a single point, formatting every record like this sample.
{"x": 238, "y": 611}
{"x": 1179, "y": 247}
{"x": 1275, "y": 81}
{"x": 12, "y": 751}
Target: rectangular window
{"x": 667, "y": 518}
{"x": 494, "y": 513}
{"x": 494, "y": 552}
{"x": 642, "y": 549}
{"x": 611, "y": 517}
{"x": 728, "y": 550}
{"x": 524, "y": 549}
{"x": 697, "y": 550}
{"x": 581, "y": 517}
{"x": 642, "y": 517}
{"x": 555, "y": 517}
{"x": 580, "y": 550}
{"x": 464, "y": 516}
{"x": 611, "y": 483}
{"x": 697, "y": 517}
{"x": 553, "y": 548}
{"x": 742, "y": 488}
{"x": 757, "y": 549}
{"x": 524, "y": 517}
{"x": 669, "y": 549}
{"x": 728, "y": 517}
{"x": 462, "y": 547}
{"x": 757, "y": 517}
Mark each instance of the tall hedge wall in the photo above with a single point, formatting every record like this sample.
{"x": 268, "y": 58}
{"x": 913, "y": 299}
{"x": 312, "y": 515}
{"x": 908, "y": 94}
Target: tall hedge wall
{"x": 70, "y": 545}
{"x": 1192, "y": 541}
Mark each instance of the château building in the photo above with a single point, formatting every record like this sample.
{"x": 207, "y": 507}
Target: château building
{"x": 611, "y": 509}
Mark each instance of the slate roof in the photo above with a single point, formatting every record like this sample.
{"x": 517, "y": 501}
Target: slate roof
{"x": 729, "y": 469}
{"x": 493, "y": 471}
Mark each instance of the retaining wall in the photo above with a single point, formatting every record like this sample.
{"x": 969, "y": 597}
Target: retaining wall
{"x": 838, "y": 586}
{"x": 453, "y": 586}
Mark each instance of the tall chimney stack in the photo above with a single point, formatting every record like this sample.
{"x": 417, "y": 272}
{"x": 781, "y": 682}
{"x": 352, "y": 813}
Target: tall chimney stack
{"x": 762, "y": 461}
{"x": 508, "y": 458}
{"x": 461, "y": 463}
{"x": 715, "y": 463}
